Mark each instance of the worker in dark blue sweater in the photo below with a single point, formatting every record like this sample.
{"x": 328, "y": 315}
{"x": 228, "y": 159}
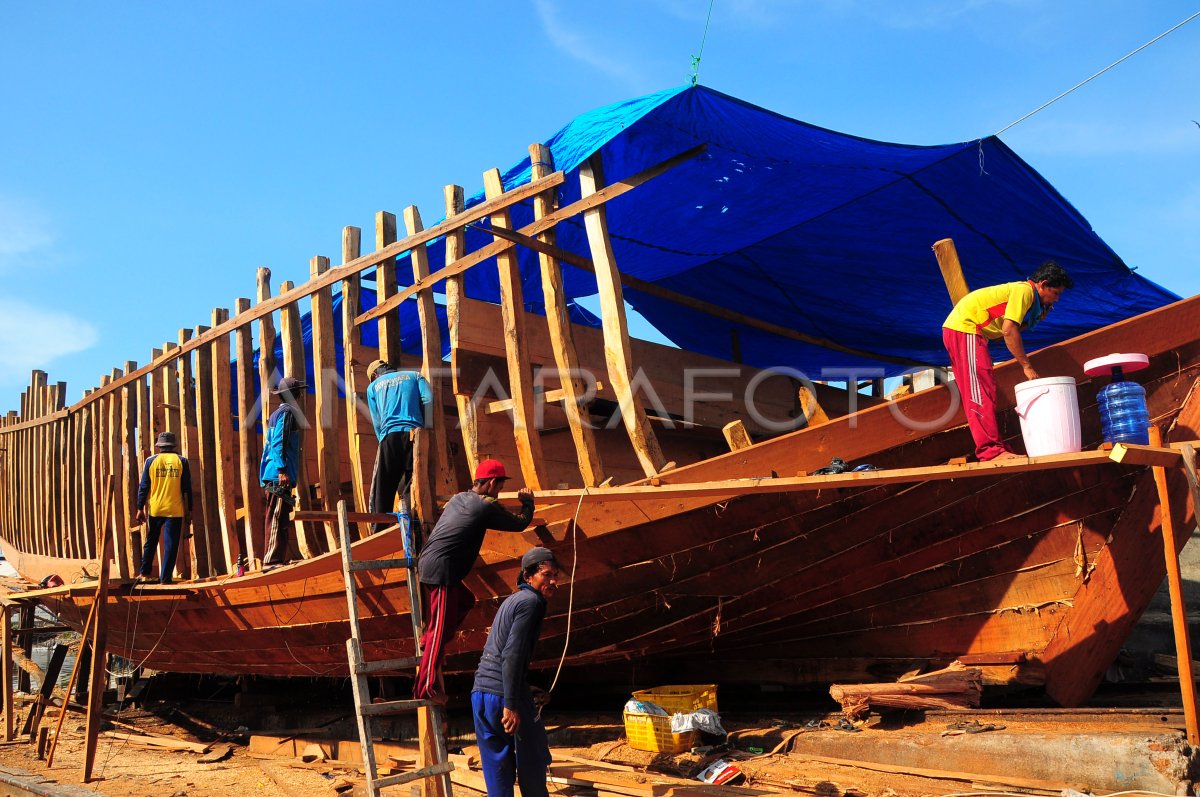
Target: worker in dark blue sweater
{"x": 513, "y": 747}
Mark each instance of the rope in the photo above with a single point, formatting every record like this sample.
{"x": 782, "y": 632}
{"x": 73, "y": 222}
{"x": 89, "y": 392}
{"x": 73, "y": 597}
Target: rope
{"x": 1090, "y": 79}
{"x": 571, "y": 590}
{"x": 696, "y": 58}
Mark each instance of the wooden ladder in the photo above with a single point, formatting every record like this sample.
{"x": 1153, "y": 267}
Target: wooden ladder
{"x": 431, "y": 736}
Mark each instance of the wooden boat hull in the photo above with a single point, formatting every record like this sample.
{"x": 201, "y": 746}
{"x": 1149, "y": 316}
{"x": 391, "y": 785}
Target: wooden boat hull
{"x": 1039, "y": 574}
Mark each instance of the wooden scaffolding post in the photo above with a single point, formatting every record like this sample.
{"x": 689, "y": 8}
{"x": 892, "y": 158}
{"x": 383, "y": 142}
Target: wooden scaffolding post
{"x": 268, "y": 369}
{"x": 952, "y": 273}
{"x": 193, "y": 558}
{"x": 227, "y": 471}
{"x": 455, "y": 293}
{"x": 205, "y": 535}
{"x": 99, "y": 643}
{"x": 1183, "y": 645}
{"x": 360, "y": 435}
{"x": 520, "y": 371}
{"x": 559, "y": 322}
{"x": 170, "y": 379}
{"x": 616, "y": 328}
{"x": 324, "y": 384}
{"x": 6, "y": 670}
{"x": 248, "y": 438}
{"x": 432, "y": 455}
{"x": 308, "y": 536}
{"x": 158, "y": 394}
{"x": 128, "y": 547}
{"x": 119, "y": 518}
{"x": 385, "y": 287}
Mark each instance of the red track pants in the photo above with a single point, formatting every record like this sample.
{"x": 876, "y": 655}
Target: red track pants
{"x": 447, "y": 607}
{"x": 972, "y": 366}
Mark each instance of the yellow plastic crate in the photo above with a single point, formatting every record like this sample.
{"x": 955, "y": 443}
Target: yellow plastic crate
{"x": 683, "y": 699}
{"x": 653, "y": 734}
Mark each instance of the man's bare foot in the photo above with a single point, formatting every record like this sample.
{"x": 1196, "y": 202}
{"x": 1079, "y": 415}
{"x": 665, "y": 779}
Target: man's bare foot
{"x": 1006, "y": 455}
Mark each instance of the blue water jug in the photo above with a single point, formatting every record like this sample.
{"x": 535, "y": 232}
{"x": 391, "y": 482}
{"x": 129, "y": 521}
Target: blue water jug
{"x": 1123, "y": 413}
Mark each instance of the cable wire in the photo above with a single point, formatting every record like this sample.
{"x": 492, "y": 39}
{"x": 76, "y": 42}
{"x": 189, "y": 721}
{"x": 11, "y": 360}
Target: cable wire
{"x": 703, "y": 38}
{"x": 1089, "y": 80}
{"x": 571, "y": 590}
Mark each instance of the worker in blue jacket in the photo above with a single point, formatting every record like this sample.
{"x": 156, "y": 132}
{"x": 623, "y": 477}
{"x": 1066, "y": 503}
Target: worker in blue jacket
{"x": 166, "y": 490}
{"x": 508, "y": 719}
{"x": 280, "y": 468}
{"x": 397, "y": 400}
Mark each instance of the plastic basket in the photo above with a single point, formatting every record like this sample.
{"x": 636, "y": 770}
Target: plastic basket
{"x": 652, "y": 733}
{"x": 683, "y": 699}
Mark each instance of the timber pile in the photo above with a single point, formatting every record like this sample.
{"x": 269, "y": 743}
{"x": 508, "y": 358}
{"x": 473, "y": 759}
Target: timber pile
{"x": 955, "y": 687}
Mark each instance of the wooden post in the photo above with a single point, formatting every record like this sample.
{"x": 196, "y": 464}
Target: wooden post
{"x": 385, "y": 286}
{"x": 325, "y": 386}
{"x": 559, "y": 323}
{"x": 455, "y": 246}
{"x": 1183, "y": 645}
{"x": 360, "y": 435}
{"x": 248, "y": 439}
{"x": 736, "y": 435}
{"x": 616, "y": 328}
{"x": 99, "y": 645}
{"x": 520, "y": 371}
{"x": 432, "y": 455}
{"x": 205, "y": 534}
{"x": 307, "y": 540}
{"x": 158, "y": 395}
{"x": 192, "y": 559}
{"x": 227, "y": 470}
{"x": 952, "y": 273}
{"x": 127, "y": 543}
{"x": 6, "y": 670}
{"x": 119, "y": 519}
{"x": 170, "y": 379}
{"x": 268, "y": 369}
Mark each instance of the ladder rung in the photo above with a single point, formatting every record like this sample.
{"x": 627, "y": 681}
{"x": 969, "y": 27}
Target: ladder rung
{"x": 387, "y": 664}
{"x": 427, "y": 772}
{"x": 391, "y": 707}
{"x": 382, "y": 564}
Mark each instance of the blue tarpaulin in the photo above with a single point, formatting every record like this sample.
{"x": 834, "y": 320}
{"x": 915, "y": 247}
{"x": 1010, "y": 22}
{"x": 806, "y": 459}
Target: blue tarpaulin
{"x": 821, "y": 232}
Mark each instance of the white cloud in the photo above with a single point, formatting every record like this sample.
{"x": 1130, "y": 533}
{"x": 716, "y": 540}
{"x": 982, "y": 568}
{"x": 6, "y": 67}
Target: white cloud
{"x": 23, "y": 229}
{"x": 577, "y": 46}
{"x": 32, "y": 337}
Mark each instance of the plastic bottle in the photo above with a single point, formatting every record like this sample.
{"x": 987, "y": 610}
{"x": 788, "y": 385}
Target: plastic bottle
{"x": 1123, "y": 413}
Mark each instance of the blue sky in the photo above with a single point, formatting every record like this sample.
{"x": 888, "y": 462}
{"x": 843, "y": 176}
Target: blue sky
{"x": 152, "y": 155}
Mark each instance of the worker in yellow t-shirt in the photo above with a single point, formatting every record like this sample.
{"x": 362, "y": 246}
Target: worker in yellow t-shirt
{"x": 167, "y": 486}
{"x": 994, "y": 313}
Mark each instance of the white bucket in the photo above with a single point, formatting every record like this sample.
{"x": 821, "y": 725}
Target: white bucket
{"x": 1049, "y": 413}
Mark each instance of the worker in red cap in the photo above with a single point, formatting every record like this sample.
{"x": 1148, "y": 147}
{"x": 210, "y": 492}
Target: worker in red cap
{"x": 447, "y": 558}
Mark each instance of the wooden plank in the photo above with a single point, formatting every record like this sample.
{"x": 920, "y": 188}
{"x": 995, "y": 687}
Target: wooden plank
{"x": 192, "y": 559}
{"x": 127, "y": 542}
{"x": 158, "y": 392}
{"x": 476, "y": 212}
{"x": 249, "y": 447}
{"x": 354, "y": 369}
{"x": 952, "y": 273}
{"x": 455, "y": 293}
{"x": 616, "y": 328}
{"x": 308, "y": 537}
{"x": 736, "y": 436}
{"x": 206, "y": 534}
{"x": 496, "y": 247}
{"x": 325, "y": 379}
{"x": 171, "y": 408}
{"x": 119, "y": 519}
{"x": 558, "y": 321}
{"x": 811, "y": 408}
{"x": 520, "y": 372}
{"x": 52, "y": 476}
{"x": 99, "y": 638}
{"x": 385, "y": 288}
{"x": 432, "y": 456}
{"x": 6, "y": 671}
{"x": 231, "y": 547}
{"x": 1135, "y": 454}
{"x": 88, "y": 481}
{"x": 268, "y": 369}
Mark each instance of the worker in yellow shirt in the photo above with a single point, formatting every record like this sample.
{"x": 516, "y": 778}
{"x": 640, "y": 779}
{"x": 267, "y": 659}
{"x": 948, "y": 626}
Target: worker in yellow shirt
{"x": 167, "y": 486}
{"x": 994, "y": 313}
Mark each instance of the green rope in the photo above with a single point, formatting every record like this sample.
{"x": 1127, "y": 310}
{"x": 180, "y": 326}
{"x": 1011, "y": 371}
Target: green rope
{"x": 696, "y": 58}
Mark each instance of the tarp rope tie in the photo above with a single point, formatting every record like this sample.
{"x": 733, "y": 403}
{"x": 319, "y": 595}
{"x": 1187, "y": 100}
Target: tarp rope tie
{"x": 696, "y": 58}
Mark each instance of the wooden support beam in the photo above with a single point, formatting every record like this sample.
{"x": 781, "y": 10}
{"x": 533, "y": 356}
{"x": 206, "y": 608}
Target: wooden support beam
{"x": 227, "y": 468}
{"x": 385, "y": 288}
{"x": 558, "y": 320}
{"x": 1155, "y": 455}
{"x": 432, "y": 455}
{"x": 158, "y": 393}
{"x": 249, "y": 447}
{"x": 455, "y": 293}
{"x": 171, "y": 408}
{"x": 616, "y": 328}
{"x": 119, "y": 519}
{"x": 736, "y": 436}
{"x": 360, "y": 436}
{"x": 325, "y": 379}
{"x": 6, "y": 671}
{"x": 309, "y": 538}
{"x": 520, "y": 372}
{"x": 206, "y": 534}
{"x": 99, "y": 641}
{"x": 813, "y": 414}
{"x": 1179, "y": 622}
{"x": 268, "y": 369}
{"x": 547, "y": 396}
{"x": 548, "y": 222}
{"x": 952, "y": 273}
{"x": 192, "y": 560}
{"x": 128, "y": 549}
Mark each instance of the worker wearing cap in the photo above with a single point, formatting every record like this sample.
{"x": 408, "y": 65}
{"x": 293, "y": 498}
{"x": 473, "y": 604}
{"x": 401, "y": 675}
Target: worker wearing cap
{"x": 994, "y": 313}
{"x": 397, "y": 400}
{"x": 280, "y": 468}
{"x": 507, "y": 711}
{"x": 166, "y": 486}
{"x": 447, "y": 558}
